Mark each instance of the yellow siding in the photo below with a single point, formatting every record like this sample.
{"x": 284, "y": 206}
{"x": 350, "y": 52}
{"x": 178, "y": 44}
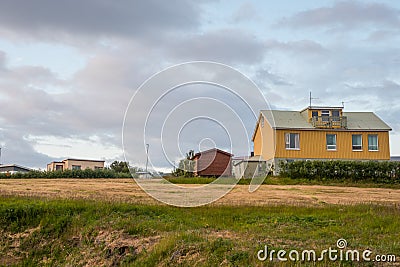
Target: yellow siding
{"x": 264, "y": 144}
{"x": 257, "y": 141}
{"x": 313, "y": 145}
{"x": 309, "y": 112}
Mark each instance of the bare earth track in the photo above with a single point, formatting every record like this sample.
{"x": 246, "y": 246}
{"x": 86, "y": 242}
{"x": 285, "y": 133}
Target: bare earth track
{"x": 126, "y": 190}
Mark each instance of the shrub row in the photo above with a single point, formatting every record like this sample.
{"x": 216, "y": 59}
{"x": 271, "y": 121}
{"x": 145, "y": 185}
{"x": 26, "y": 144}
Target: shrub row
{"x": 88, "y": 173}
{"x": 380, "y": 172}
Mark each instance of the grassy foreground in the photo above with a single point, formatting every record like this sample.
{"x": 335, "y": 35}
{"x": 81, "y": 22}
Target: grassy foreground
{"x": 76, "y": 232}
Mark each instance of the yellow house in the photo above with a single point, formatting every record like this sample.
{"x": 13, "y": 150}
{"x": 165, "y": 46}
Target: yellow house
{"x": 75, "y": 164}
{"x": 320, "y": 133}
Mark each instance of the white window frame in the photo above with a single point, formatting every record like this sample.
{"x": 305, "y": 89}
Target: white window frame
{"x": 377, "y": 143}
{"x": 325, "y": 114}
{"x": 296, "y": 141}
{"x": 352, "y": 145}
{"x": 262, "y": 121}
{"x": 331, "y": 147}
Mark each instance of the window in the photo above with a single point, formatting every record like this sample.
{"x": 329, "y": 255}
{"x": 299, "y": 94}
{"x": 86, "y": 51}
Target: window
{"x": 373, "y": 142}
{"x": 335, "y": 115}
{"x": 262, "y": 121}
{"x": 357, "y": 142}
{"x": 76, "y": 167}
{"x": 292, "y": 141}
{"x": 325, "y": 115}
{"x": 98, "y": 168}
{"x": 314, "y": 114}
{"x": 59, "y": 167}
{"x": 331, "y": 141}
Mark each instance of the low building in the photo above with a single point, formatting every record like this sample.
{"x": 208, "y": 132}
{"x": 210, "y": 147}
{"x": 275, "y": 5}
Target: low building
{"x": 213, "y": 162}
{"x": 13, "y": 168}
{"x": 395, "y": 158}
{"x": 144, "y": 174}
{"x": 75, "y": 164}
{"x": 249, "y": 167}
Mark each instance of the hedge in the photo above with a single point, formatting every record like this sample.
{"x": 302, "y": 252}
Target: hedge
{"x": 84, "y": 174}
{"x": 374, "y": 171}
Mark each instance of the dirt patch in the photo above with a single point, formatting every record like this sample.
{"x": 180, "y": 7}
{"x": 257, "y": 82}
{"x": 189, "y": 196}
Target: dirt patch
{"x": 126, "y": 190}
{"x": 13, "y": 242}
{"x": 110, "y": 248}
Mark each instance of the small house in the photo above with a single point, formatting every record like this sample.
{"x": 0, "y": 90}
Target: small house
{"x": 249, "y": 167}
{"x": 144, "y": 174}
{"x": 213, "y": 162}
{"x": 75, "y": 164}
{"x": 13, "y": 168}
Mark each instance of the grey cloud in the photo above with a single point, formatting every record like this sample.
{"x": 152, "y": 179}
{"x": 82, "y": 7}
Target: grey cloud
{"x": 267, "y": 76}
{"x": 29, "y": 106}
{"x": 206, "y": 101}
{"x": 382, "y": 36}
{"x": 346, "y": 14}
{"x": 301, "y": 46}
{"x": 390, "y": 88}
{"x": 245, "y": 12}
{"x": 225, "y": 45}
{"x": 381, "y": 97}
{"x": 16, "y": 150}
{"x": 52, "y": 19}
{"x": 2, "y": 60}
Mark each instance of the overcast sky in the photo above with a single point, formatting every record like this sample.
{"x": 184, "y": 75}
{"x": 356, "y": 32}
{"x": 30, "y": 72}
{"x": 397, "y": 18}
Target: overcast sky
{"x": 68, "y": 69}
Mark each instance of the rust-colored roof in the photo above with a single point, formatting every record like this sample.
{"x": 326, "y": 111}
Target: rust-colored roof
{"x": 212, "y": 150}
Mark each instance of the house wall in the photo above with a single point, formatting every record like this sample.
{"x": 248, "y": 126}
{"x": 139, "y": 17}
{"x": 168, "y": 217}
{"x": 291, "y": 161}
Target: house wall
{"x": 264, "y": 143}
{"x": 53, "y": 166}
{"x": 85, "y": 164}
{"x": 308, "y": 112}
{"x": 313, "y": 145}
{"x": 213, "y": 164}
{"x": 249, "y": 169}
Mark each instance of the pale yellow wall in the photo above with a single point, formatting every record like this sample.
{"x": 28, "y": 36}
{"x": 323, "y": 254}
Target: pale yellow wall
{"x": 257, "y": 142}
{"x": 264, "y": 141}
{"x": 52, "y": 166}
{"x": 85, "y": 164}
{"x": 313, "y": 145}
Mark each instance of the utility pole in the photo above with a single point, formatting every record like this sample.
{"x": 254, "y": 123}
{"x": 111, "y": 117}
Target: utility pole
{"x": 147, "y": 157}
{"x": 311, "y": 98}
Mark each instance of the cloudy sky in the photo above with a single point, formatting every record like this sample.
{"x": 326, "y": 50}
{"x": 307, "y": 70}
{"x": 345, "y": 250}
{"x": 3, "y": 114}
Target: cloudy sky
{"x": 68, "y": 69}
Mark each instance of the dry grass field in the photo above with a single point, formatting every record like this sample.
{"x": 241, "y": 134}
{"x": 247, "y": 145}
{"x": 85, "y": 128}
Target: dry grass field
{"x": 126, "y": 190}
{"x": 113, "y": 222}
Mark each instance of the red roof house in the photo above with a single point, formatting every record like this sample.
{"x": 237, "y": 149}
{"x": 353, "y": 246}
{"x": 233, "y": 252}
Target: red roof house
{"x": 213, "y": 162}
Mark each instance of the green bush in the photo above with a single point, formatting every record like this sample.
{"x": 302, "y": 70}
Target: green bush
{"x": 83, "y": 174}
{"x": 375, "y": 171}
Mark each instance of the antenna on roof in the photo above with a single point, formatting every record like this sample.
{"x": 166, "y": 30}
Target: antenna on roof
{"x": 311, "y": 98}
{"x": 342, "y": 104}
